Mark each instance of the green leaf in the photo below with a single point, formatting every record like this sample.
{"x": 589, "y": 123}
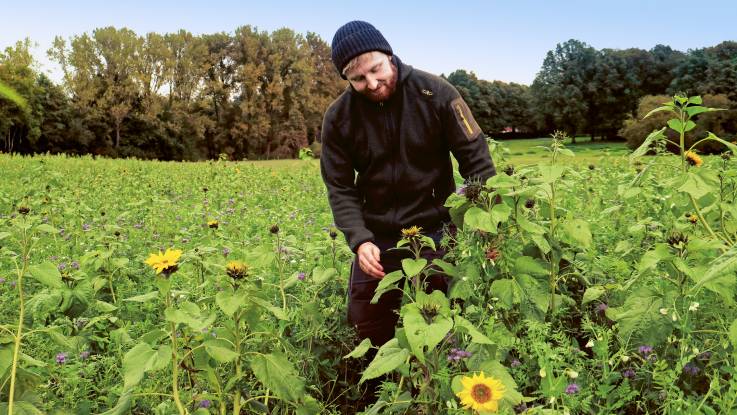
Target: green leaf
{"x": 276, "y": 311}
{"x": 645, "y": 146}
{"x": 46, "y": 228}
{"x": 592, "y": 293}
{"x": 502, "y": 181}
{"x": 576, "y": 232}
{"x": 360, "y": 350}
{"x": 639, "y": 319}
{"x": 10, "y": 94}
{"x": 446, "y": 267}
{"x": 413, "y": 267}
{"x": 478, "y": 219}
{"x": 651, "y": 258}
{"x": 550, "y": 173}
{"x": 220, "y": 350}
{"x": 476, "y": 335}
{"x": 47, "y": 274}
{"x": 663, "y": 108}
{"x": 675, "y": 124}
{"x": 733, "y": 334}
{"x": 528, "y": 226}
{"x": 4, "y": 235}
{"x": 136, "y": 362}
{"x": 528, "y": 265}
{"x": 426, "y": 322}
{"x": 710, "y": 136}
{"x": 275, "y": 372}
{"x": 507, "y": 291}
{"x": 189, "y": 313}
{"x": 322, "y": 275}
{"x": 499, "y": 213}
{"x": 122, "y": 407}
{"x": 143, "y": 298}
{"x": 700, "y": 183}
{"x": 724, "y": 264}
{"x": 386, "y": 284}
{"x": 389, "y": 357}
{"x": 230, "y": 301}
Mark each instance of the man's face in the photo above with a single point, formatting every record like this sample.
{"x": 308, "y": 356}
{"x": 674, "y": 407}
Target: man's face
{"x": 374, "y": 76}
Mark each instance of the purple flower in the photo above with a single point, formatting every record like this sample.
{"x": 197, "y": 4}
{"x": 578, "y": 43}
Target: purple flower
{"x": 84, "y": 355}
{"x": 74, "y": 265}
{"x": 301, "y": 276}
{"x": 226, "y": 252}
{"x": 515, "y": 363}
{"x": 86, "y": 226}
{"x": 461, "y": 190}
{"x": 628, "y": 373}
{"x": 12, "y": 284}
{"x": 54, "y": 257}
{"x": 704, "y": 356}
{"x": 205, "y": 403}
{"x": 61, "y": 358}
{"x": 602, "y": 307}
{"x": 645, "y": 350}
{"x": 62, "y": 266}
{"x": 691, "y": 369}
{"x": 456, "y": 355}
{"x": 2, "y": 280}
{"x": 572, "y": 388}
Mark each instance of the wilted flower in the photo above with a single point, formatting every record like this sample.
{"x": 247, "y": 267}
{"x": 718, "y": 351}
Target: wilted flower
{"x": 165, "y": 262}
{"x": 492, "y": 254}
{"x": 509, "y": 170}
{"x": 23, "y": 210}
{"x": 572, "y": 388}
{"x": 530, "y": 203}
{"x": 274, "y": 229}
{"x": 236, "y": 270}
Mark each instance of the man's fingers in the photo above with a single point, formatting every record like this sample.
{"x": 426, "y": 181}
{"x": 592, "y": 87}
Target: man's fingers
{"x": 369, "y": 266}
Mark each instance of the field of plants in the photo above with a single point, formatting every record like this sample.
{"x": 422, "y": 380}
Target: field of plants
{"x": 584, "y": 280}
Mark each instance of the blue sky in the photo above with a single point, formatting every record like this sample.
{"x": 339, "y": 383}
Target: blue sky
{"x": 498, "y": 40}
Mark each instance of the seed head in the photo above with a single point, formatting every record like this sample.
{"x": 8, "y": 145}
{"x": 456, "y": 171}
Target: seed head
{"x": 274, "y": 229}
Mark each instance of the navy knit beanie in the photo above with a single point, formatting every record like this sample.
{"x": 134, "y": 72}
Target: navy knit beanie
{"x": 355, "y": 38}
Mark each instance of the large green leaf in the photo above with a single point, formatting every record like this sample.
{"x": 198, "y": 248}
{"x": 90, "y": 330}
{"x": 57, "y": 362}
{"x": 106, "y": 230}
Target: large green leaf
{"x": 190, "y": 314}
{"x": 478, "y": 219}
{"x": 645, "y": 146}
{"x": 360, "y": 350}
{"x": 724, "y": 264}
{"x": 639, "y": 320}
{"x": 122, "y": 407}
{"x": 528, "y": 265}
{"x": 230, "y": 301}
{"x": 47, "y": 274}
{"x": 700, "y": 183}
{"x": 476, "y": 335}
{"x": 220, "y": 350}
{"x": 426, "y": 322}
{"x": 136, "y": 362}
{"x": 388, "y": 283}
{"x": 507, "y": 291}
{"x": 389, "y": 357}
{"x": 651, "y": 258}
{"x": 276, "y": 373}
{"x": 576, "y": 232}
{"x": 413, "y": 267}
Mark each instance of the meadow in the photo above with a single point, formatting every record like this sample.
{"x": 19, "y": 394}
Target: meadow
{"x": 603, "y": 282}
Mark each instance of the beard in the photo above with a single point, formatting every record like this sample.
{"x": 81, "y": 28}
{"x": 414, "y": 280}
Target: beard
{"x": 385, "y": 89}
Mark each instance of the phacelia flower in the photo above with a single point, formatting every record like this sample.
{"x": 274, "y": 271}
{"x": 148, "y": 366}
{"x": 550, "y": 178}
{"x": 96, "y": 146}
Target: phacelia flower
{"x": 61, "y": 358}
{"x": 301, "y": 276}
{"x": 74, "y": 265}
{"x": 628, "y": 373}
{"x": 572, "y": 388}
{"x": 205, "y": 403}
{"x": 481, "y": 393}
{"x": 602, "y": 307}
{"x": 515, "y": 363}
{"x": 645, "y": 350}
{"x": 62, "y": 266}
{"x": 691, "y": 369}
{"x": 84, "y": 355}
{"x": 165, "y": 262}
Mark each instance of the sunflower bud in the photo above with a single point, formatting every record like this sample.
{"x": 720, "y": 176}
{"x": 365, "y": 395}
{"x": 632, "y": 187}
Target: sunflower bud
{"x": 274, "y": 229}
{"x": 23, "y": 210}
{"x": 236, "y": 270}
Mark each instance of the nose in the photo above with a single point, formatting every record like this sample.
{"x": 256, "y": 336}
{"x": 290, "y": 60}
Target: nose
{"x": 372, "y": 83}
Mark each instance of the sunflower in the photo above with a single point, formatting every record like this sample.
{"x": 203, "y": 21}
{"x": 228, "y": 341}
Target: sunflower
{"x": 693, "y": 218}
{"x": 411, "y": 232}
{"x": 236, "y": 269}
{"x": 165, "y": 262}
{"x": 213, "y": 224}
{"x": 481, "y": 393}
{"x": 694, "y": 159}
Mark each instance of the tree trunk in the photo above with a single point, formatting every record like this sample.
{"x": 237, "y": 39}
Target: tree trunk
{"x": 117, "y": 134}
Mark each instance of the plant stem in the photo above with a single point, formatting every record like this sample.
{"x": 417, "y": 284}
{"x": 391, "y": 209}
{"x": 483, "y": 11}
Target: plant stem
{"x": 21, "y": 316}
{"x": 174, "y": 363}
{"x": 237, "y": 397}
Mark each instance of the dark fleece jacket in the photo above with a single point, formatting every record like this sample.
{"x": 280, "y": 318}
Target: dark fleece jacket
{"x": 400, "y": 150}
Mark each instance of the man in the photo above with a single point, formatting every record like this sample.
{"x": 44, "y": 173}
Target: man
{"x": 395, "y": 126}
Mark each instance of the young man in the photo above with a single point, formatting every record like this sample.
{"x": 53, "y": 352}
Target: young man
{"x": 386, "y": 145}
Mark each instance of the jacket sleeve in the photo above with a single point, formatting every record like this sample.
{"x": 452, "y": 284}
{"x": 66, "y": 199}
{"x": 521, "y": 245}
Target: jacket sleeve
{"x": 339, "y": 177}
{"x": 465, "y": 138}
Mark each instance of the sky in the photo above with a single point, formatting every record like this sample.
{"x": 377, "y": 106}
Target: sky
{"x": 498, "y": 40}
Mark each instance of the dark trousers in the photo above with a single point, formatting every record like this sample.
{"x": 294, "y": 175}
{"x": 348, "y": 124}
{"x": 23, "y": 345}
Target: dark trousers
{"x": 377, "y": 321}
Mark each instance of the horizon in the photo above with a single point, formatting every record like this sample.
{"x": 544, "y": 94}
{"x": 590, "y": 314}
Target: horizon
{"x": 463, "y": 43}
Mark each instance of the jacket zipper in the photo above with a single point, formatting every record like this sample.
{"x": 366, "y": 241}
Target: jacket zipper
{"x": 389, "y": 126}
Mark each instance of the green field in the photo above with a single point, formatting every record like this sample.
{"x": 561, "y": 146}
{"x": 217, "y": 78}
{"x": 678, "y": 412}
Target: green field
{"x": 596, "y": 286}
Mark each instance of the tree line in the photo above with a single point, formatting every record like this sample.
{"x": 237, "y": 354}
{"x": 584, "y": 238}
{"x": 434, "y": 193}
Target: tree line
{"x": 259, "y": 95}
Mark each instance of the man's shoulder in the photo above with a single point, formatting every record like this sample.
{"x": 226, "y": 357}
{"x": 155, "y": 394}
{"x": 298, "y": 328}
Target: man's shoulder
{"x": 339, "y": 107}
{"x": 430, "y": 85}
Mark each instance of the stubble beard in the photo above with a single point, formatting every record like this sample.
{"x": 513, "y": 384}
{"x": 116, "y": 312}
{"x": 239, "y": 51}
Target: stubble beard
{"x": 386, "y": 88}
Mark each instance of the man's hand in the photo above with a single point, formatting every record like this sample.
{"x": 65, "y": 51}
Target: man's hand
{"x": 368, "y": 259}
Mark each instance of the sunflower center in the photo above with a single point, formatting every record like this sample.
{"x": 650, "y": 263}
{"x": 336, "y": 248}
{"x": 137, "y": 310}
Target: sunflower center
{"x": 481, "y": 393}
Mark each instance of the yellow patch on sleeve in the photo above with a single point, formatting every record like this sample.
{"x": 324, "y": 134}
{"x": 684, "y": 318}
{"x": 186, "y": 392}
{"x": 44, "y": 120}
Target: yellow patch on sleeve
{"x": 465, "y": 119}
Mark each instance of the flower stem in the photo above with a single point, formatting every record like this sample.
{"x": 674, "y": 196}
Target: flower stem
{"x": 21, "y": 316}
{"x": 174, "y": 363}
